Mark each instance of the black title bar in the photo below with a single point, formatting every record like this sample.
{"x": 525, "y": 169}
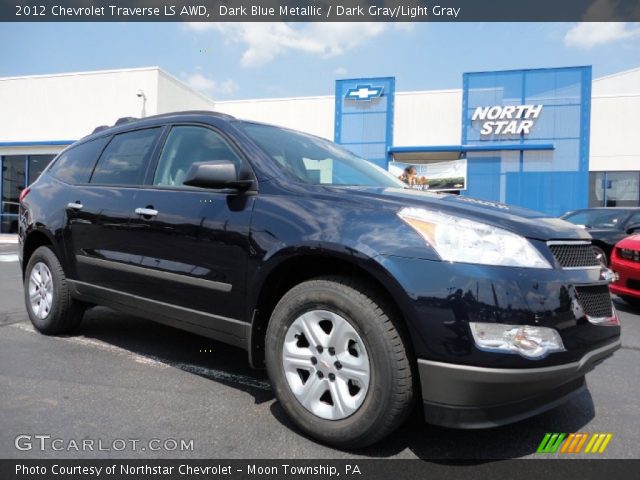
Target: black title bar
{"x": 319, "y": 10}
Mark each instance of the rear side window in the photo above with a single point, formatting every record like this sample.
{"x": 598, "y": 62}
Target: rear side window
{"x": 123, "y": 161}
{"x": 76, "y": 164}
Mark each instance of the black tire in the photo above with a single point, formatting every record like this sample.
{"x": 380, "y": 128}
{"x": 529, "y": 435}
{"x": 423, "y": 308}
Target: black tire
{"x": 390, "y": 395}
{"x": 65, "y": 313}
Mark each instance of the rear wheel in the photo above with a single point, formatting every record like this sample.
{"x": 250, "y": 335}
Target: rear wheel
{"x": 48, "y": 300}
{"x": 338, "y": 362}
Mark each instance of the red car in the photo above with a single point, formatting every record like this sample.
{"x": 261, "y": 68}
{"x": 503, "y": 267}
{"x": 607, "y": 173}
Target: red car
{"x": 625, "y": 261}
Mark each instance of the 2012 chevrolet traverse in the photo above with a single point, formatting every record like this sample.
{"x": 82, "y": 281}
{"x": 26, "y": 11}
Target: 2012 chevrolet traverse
{"x": 360, "y": 296}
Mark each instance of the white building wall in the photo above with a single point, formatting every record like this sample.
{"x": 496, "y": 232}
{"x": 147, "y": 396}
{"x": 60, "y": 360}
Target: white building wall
{"x": 615, "y": 122}
{"x": 615, "y": 126}
{"x": 421, "y": 118}
{"x": 69, "y": 106}
{"x": 428, "y": 118}
{"x": 314, "y": 115}
{"x": 175, "y": 96}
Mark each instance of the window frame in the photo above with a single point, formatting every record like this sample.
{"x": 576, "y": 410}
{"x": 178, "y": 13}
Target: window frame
{"x": 155, "y": 161}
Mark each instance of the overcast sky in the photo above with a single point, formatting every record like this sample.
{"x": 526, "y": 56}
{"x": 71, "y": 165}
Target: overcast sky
{"x": 258, "y": 60}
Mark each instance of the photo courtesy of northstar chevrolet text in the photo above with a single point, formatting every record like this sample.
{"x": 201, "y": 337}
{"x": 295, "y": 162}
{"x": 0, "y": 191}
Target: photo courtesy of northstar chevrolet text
{"x": 292, "y": 239}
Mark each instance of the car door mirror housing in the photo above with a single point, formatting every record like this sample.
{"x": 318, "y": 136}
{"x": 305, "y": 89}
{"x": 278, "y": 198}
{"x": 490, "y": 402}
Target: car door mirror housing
{"x": 217, "y": 174}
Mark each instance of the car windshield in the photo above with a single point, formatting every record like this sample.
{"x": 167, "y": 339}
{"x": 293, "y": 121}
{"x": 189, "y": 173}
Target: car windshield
{"x": 316, "y": 161}
{"x": 597, "y": 218}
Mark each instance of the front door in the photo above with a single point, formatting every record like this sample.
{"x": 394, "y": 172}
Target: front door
{"x": 191, "y": 245}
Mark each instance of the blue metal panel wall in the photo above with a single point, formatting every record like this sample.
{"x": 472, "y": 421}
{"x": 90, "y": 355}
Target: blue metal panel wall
{"x": 364, "y": 117}
{"x": 550, "y": 181}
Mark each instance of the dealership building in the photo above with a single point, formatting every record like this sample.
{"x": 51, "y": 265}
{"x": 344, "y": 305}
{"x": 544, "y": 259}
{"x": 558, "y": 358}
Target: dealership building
{"x": 548, "y": 139}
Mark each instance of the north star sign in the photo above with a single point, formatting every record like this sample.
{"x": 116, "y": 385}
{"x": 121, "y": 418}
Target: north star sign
{"x": 364, "y": 92}
{"x": 507, "y": 119}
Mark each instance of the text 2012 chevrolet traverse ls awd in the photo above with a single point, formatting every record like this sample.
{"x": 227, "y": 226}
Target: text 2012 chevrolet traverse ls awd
{"x": 361, "y": 297}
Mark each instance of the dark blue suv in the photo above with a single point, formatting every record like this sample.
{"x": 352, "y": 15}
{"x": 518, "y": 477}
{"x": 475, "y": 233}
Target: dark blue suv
{"x": 360, "y": 296}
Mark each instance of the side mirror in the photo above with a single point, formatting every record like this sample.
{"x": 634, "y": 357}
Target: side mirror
{"x": 216, "y": 174}
{"x": 633, "y": 228}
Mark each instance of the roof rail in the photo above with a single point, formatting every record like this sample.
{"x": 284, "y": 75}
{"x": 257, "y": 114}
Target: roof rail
{"x": 100, "y": 128}
{"x": 123, "y": 120}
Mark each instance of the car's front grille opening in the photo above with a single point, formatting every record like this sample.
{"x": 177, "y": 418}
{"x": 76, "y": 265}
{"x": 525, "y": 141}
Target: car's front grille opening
{"x": 633, "y": 284}
{"x": 578, "y": 255}
{"x": 595, "y": 300}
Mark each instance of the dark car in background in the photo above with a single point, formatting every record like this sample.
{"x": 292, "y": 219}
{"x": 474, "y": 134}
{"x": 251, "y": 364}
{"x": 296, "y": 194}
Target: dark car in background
{"x": 606, "y": 225}
{"x": 360, "y": 297}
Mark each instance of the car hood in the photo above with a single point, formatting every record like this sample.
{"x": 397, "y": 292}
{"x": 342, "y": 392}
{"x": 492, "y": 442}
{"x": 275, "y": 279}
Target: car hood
{"x": 528, "y": 223}
{"x": 632, "y": 242}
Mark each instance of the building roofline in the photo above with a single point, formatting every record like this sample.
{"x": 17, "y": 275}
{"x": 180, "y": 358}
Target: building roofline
{"x": 182, "y": 84}
{"x": 617, "y": 74}
{"x": 320, "y": 97}
{"x": 91, "y": 72}
{"x": 275, "y": 99}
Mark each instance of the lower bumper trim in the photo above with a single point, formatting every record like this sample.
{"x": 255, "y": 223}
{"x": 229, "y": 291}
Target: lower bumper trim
{"x": 464, "y": 396}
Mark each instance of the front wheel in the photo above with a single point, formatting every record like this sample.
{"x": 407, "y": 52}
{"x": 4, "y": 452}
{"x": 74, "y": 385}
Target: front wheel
{"x": 338, "y": 362}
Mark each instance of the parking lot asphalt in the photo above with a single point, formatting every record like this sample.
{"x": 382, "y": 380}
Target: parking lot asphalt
{"x": 121, "y": 377}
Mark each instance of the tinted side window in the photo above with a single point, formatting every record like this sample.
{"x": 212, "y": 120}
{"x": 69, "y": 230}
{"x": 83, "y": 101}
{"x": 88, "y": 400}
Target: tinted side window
{"x": 75, "y": 165}
{"x": 186, "y": 145}
{"x": 123, "y": 161}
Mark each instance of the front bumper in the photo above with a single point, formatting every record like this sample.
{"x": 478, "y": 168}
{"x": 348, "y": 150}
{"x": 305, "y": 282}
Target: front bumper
{"x": 628, "y": 282}
{"x": 465, "y": 396}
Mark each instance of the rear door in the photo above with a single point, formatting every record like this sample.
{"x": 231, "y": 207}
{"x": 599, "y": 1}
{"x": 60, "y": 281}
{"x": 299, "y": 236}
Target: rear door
{"x": 99, "y": 211}
{"x": 192, "y": 244}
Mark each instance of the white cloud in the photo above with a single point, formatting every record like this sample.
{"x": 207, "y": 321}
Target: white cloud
{"x": 341, "y": 71}
{"x": 591, "y": 34}
{"x": 263, "y": 42}
{"x": 209, "y": 86}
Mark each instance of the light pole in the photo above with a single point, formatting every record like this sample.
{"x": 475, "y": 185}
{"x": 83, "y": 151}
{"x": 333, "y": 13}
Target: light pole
{"x": 140, "y": 94}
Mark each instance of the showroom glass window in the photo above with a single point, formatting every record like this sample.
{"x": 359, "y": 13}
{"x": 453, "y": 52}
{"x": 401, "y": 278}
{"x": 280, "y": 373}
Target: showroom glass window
{"x": 13, "y": 181}
{"x": 614, "y": 189}
{"x": 123, "y": 161}
{"x": 18, "y": 171}
{"x": 186, "y": 145}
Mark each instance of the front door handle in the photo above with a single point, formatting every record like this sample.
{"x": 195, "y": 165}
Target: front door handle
{"x": 146, "y": 212}
{"x": 75, "y": 205}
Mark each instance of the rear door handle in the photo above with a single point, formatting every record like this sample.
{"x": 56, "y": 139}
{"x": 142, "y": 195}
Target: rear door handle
{"x": 75, "y": 205}
{"x": 146, "y": 212}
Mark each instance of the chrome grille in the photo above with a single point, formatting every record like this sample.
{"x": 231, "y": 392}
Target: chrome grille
{"x": 595, "y": 300}
{"x": 574, "y": 255}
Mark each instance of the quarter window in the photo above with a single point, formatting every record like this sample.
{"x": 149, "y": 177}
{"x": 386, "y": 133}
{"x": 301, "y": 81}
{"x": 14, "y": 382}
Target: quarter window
{"x": 187, "y": 145}
{"x": 75, "y": 165}
{"x": 123, "y": 161}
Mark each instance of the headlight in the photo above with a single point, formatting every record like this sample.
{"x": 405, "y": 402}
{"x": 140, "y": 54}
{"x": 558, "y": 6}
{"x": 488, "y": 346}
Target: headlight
{"x": 463, "y": 240}
{"x": 530, "y": 342}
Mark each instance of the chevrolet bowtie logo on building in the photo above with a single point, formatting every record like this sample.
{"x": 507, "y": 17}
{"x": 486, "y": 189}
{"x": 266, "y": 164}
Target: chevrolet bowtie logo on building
{"x": 574, "y": 443}
{"x": 364, "y": 92}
